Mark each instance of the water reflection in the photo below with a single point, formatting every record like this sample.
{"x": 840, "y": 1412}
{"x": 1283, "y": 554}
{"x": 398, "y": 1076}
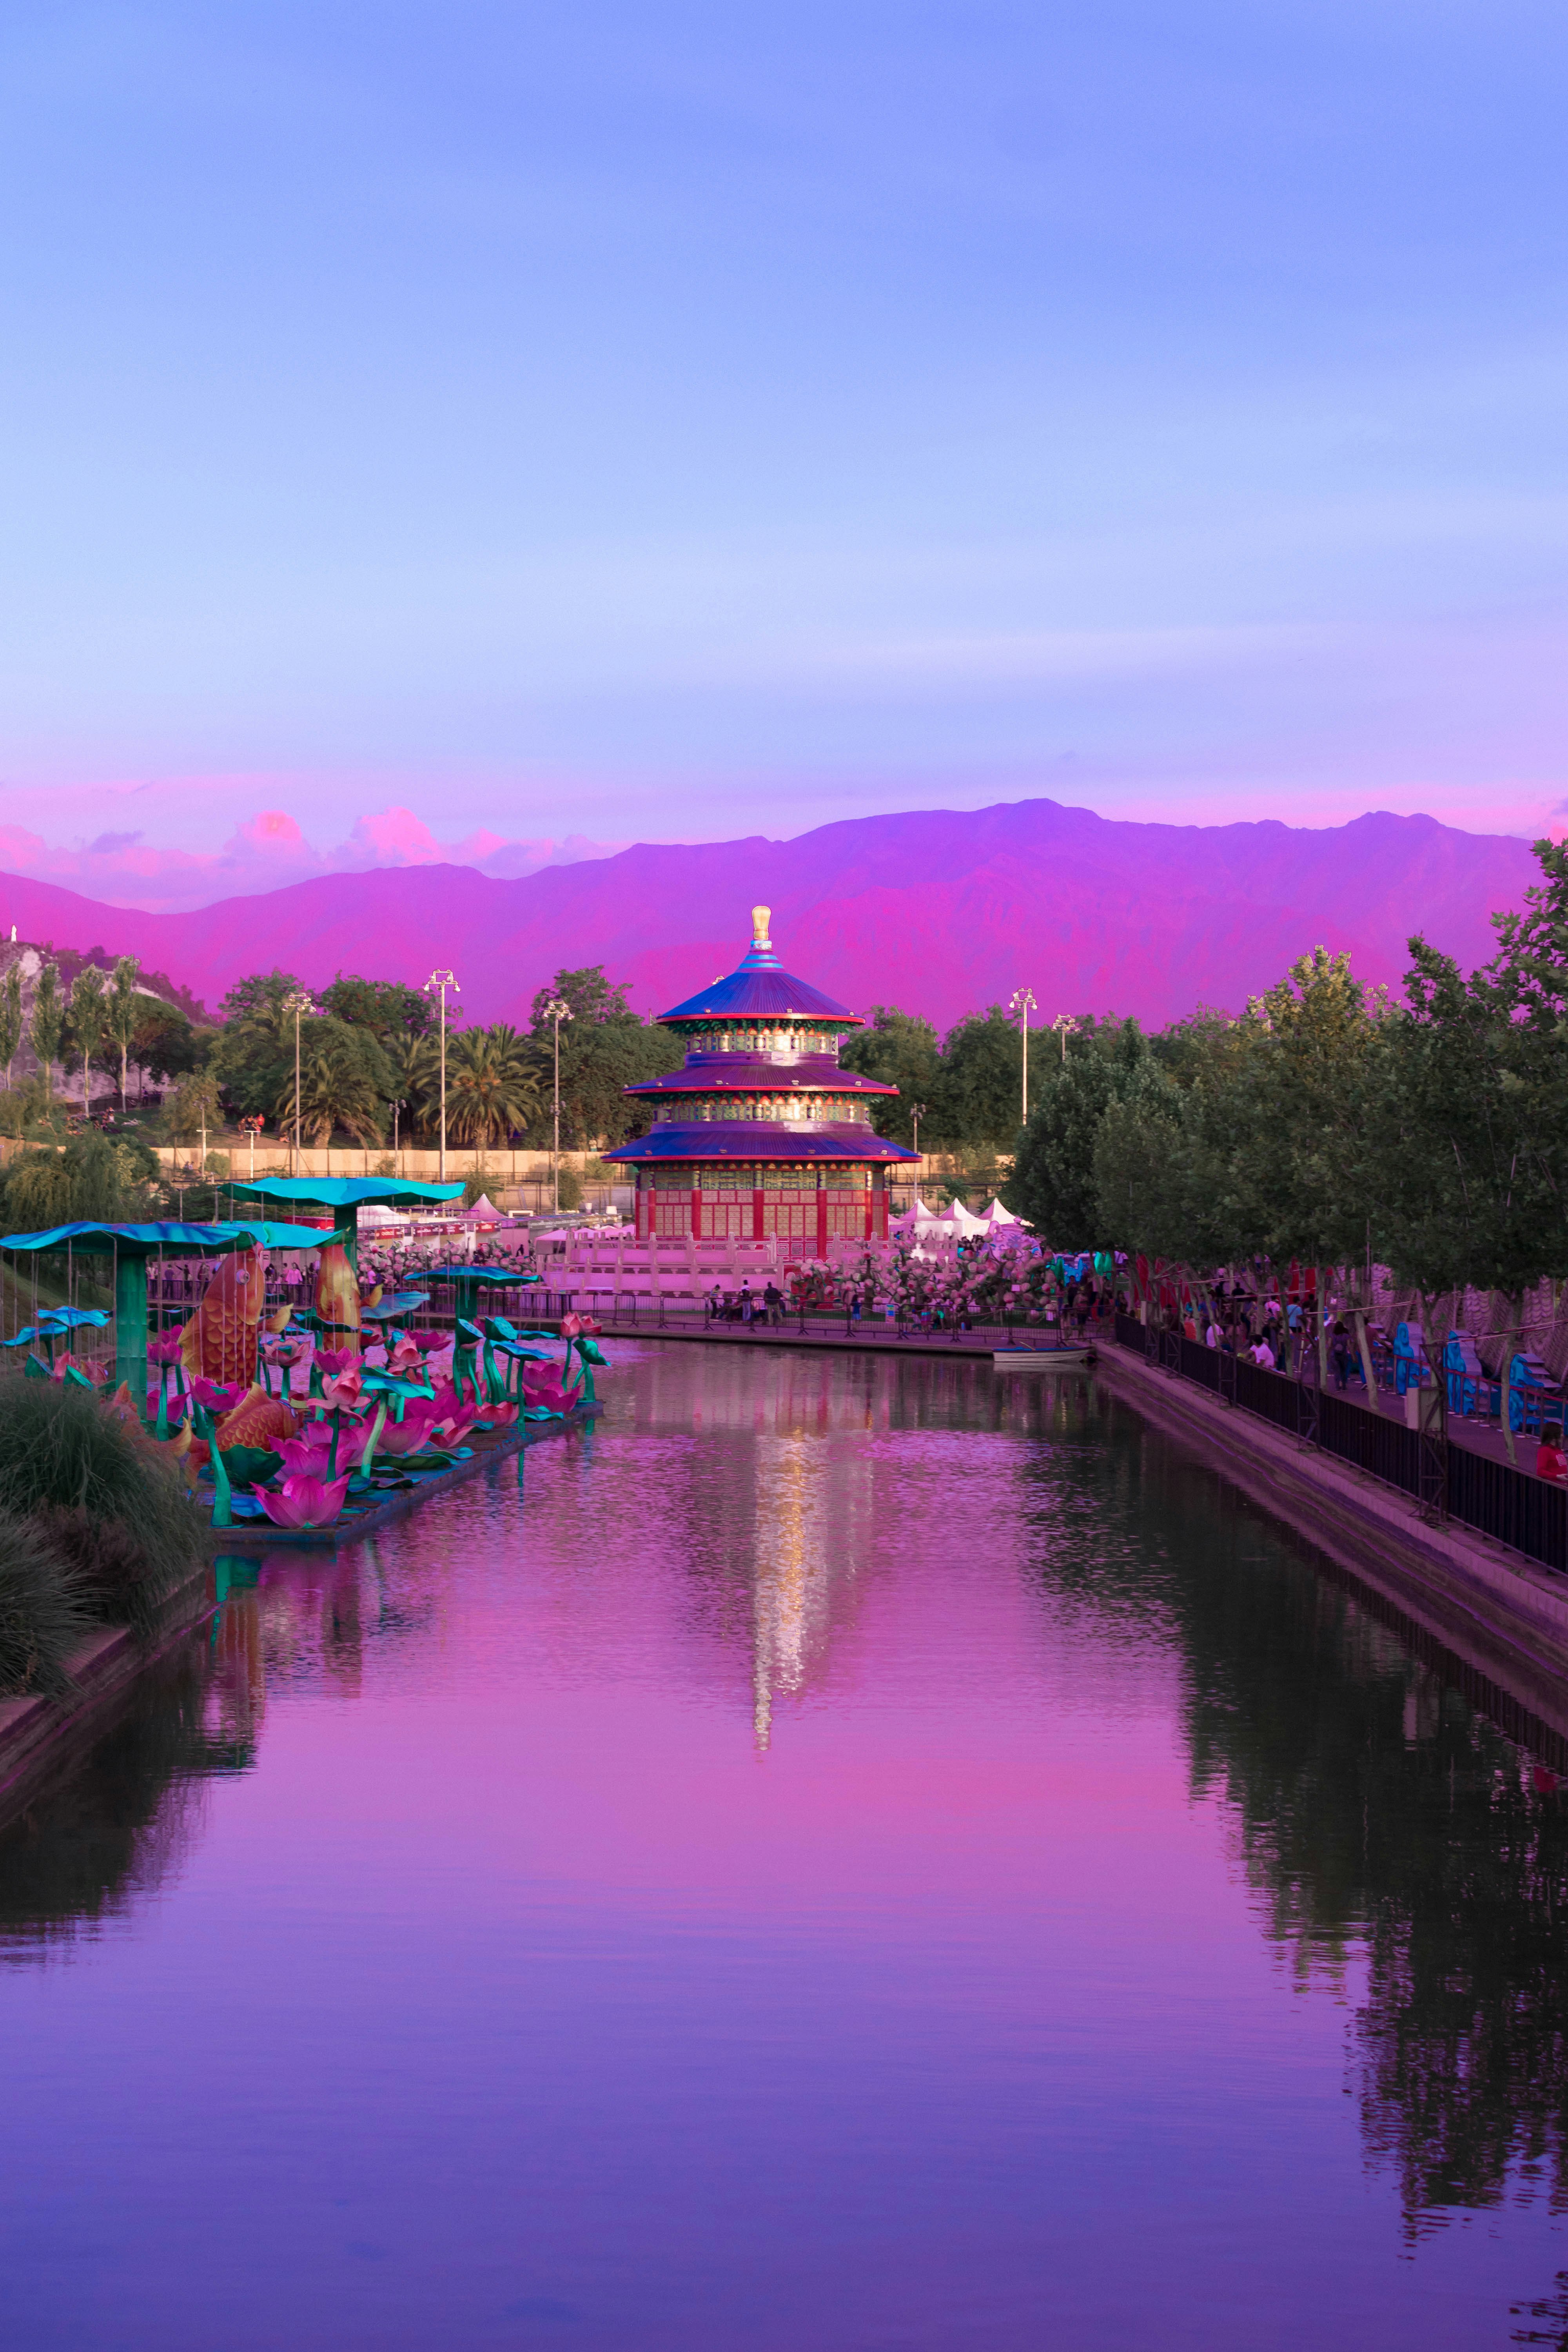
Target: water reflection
{"x": 787, "y": 1545}
{"x": 1379, "y": 1813}
{"x": 86, "y": 1851}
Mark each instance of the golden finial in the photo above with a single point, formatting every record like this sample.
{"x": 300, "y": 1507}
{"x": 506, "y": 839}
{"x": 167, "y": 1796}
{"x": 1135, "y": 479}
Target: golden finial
{"x": 760, "y": 925}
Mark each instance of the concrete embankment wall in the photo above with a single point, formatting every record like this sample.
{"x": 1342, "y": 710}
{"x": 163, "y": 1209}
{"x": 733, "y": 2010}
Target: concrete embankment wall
{"x": 1502, "y": 1614}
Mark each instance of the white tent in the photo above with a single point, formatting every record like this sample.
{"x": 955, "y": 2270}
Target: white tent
{"x": 965, "y": 1224}
{"x": 483, "y": 1213}
{"x": 995, "y": 1217}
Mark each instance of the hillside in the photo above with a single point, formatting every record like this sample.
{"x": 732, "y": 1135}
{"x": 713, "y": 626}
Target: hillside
{"x": 937, "y": 911}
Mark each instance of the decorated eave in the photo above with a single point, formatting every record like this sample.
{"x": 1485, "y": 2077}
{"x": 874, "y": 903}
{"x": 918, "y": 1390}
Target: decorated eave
{"x": 761, "y": 1075}
{"x": 749, "y": 1140}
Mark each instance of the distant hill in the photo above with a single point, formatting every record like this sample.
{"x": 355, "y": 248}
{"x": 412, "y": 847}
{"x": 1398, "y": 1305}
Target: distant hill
{"x": 941, "y": 912}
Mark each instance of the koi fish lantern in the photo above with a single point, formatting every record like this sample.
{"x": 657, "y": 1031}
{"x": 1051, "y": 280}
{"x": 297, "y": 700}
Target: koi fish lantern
{"x": 337, "y": 1298}
{"x": 219, "y": 1341}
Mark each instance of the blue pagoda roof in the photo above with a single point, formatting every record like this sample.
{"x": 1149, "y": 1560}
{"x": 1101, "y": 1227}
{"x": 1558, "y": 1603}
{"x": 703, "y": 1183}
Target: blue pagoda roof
{"x": 760, "y": 988}
{"x": 712, "y": 1141}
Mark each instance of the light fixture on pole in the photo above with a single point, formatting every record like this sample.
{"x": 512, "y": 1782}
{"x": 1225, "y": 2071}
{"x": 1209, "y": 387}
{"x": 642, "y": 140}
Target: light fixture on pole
{"x": 1024, "y": 1002}
{"x": 917, "y": 1112}
{"x": 297, "y": 1004}
{"x": 442, "y": 981}
{"x": 558, "y": 1011}
{"x": 1067, "y": 1027}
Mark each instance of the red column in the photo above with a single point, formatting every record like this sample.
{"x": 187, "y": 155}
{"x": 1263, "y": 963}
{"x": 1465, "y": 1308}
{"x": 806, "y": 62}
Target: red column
{"x": 822, "y": 1221}
{"x": 757, "y": 1233}
{"x": 697, "y": 1212}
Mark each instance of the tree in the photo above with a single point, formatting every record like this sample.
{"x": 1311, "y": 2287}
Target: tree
{"x": 345, "y": 1080}
{"x": 165, "y": 1044}
{"x": 11, "y": 1022}
{"x": 605, "y": 1048}
{"x": 1053, "y": 1184}
{"x": 123, "y": 1012}
{"x": 491, "y": 1087}
{"x": 89, "y": 1024}
{"x": 587, "y": 992}
{"x": 899, "y": 1050}
{"x": 980, "y": 1097}
{"x": 47, "y": 1022}
{"x": 262, "y": 996}
{"x": 390, "y": 1010}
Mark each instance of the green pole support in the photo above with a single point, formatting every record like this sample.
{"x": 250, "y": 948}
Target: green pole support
{"x": 131, "y": 1328}
{"x": 351, "y": 1239}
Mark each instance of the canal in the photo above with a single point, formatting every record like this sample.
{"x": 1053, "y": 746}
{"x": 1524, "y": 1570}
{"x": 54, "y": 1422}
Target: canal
{"x": 846, "y": 1854}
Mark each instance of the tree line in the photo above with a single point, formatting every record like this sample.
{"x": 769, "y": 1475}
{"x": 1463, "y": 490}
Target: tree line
{"x": 1330, "y": 1124}
{"x": 369, "y": 1063}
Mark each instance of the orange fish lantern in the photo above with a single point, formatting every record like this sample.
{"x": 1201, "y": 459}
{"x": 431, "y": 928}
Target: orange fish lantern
{"x": 337, "y": 1299}
{"x": 219, "y": 1342}
{"x": 257, "y": 1420}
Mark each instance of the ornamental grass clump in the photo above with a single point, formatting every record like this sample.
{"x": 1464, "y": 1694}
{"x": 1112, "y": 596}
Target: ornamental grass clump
{"x": 101, "y": 1500}
{"x": 42, "y": 1616}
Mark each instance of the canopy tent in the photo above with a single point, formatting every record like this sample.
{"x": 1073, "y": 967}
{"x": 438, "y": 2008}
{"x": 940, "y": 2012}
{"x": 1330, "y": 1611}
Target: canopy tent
{"x": 345, "y": 1196}
{"x": 483, "y": 1213}
{"x": 994, "y": 1217}
{"x": 131, "y": 1246}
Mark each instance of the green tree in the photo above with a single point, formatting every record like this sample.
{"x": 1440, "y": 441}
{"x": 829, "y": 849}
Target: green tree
{"x": 605, "y": 1048}
{"x": 262, "y": 997}
{"x": 45, "y": 1022}
{"x": 1053, "y": 1184}
{"x": 392, "y": 1011}
{"x": 979, "y": 1098}
{"x": 11, "y": 1021}
{"x": 899, "y": 1050}
{"x": 123, "y": 1012}
{"x": 345, "y": 1080}
{"x": 89, "y": 1024}
{"x": 492, "y": 1088}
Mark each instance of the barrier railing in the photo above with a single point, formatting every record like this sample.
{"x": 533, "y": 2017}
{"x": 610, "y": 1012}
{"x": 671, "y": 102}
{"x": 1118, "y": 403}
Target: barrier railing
{"x": 1530, "y": 1514}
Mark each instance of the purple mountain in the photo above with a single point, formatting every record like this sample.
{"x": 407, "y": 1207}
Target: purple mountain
{"x": 937, "y": 911}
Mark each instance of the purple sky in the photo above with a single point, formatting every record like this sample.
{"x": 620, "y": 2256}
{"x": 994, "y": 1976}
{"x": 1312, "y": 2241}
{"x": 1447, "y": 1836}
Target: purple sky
{"x": 598, "y": 423}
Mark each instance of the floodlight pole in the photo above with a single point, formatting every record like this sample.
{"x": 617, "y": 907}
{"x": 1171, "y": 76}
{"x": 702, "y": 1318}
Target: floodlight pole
{"x": 296, "y": 1005}
{"x": 1024, "y": 1002}
{"x": 1068, "y": 1027}
{"x": 442, "y": 981}
{"x": 557, "y": 1011}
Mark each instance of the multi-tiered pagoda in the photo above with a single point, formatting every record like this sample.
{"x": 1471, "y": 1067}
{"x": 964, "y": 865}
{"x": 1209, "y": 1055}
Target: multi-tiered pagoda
{"x": 761, "y": 1136}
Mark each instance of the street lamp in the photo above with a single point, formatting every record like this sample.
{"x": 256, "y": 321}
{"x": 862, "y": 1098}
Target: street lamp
{"x": 1024, "y": 1002}
{"x": 1067, "y": 1027}
{"x": 442, "y": 981}
{"x": 396, "y": 1152}
{"x": 296, "y": 1005}
{"x": 558, "y": 1011}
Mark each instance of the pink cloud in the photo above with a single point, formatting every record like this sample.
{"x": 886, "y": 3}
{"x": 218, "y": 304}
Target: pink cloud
{"x": 267, "y": 851}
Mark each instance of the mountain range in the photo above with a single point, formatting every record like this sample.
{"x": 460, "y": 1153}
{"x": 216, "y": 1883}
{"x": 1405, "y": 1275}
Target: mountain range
{"x": 941, "y": 912}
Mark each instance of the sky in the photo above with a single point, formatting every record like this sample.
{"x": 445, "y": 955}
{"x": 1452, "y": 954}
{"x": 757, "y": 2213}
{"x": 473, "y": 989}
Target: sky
{"x": 551, "y": 426}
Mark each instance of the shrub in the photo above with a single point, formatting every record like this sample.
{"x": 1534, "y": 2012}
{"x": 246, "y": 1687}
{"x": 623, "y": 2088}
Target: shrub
{"x": 570, "y": 1192}
{"x": 41, "y": 1614}
{"x": 61, "y": 1454}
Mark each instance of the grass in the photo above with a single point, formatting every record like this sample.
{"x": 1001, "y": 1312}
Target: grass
{"x": 99, "y": 1500}
{"x": 42, "y": 1614}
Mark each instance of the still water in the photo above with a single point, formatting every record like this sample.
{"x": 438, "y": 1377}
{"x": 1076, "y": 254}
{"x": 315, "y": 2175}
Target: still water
{"x": 846, "y": 1854}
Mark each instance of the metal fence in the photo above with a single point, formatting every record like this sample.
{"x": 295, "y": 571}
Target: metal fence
{"x": 1530, "y": 1514}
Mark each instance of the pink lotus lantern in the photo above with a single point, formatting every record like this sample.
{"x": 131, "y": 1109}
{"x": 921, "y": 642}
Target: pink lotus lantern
{"x": 304, "y": 1501}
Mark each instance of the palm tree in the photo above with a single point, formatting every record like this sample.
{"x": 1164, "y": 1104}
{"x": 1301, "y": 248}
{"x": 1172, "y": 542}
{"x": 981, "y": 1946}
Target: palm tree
{"x": 88, "y": 1021}
{"x": 44, "y": 1026}
{"x": 343, "y": 1082}
{"x": 490, "y": 1087}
